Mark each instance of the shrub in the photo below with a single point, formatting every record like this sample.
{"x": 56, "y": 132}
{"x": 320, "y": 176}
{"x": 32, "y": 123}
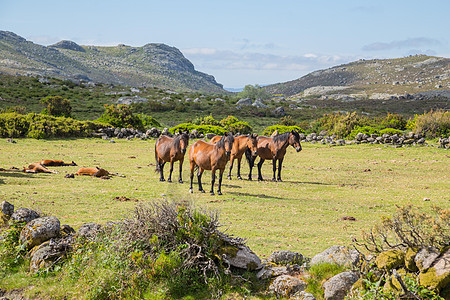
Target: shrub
{"x": 281, "y": 129}
{"x": 208, "y": 120}
{"x": 391, "y": 131}
{"x": 239, "y": 127}
{"x": 200, "y": 128}
{"x": 120, "y": 115}
{"x": 341, "y": 124}
{"x": 431, "y": 124}
{"x": 362, "y": 129}
{"x": 57, "y": 106}
{"x": 148, "y": 121}
{"x": 287, "y": 121}
{"x": 393, "y": 121}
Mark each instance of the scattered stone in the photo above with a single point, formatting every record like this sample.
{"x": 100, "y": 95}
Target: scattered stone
{"x": 437, "y": 276}
{"x": 337, "y": 287}
{"x": 347, "y": 218}
{"x": 6, "y": 211}
{"x": 88, "y": 230}
{"x": 124, "y": 199}
{"x": 244, "y": 101}
{"x": 285, "y": 257}
{"x": 69, "y": 176}
{"x": 24, "y": 215}
{"x": 302, "y": 295}
{"x": 390, "y": 259}
{"x": 39, "y": 230}
{"x": 425, "y": 257}
{"x": 287, "y": 286}
{"x": 269, "y": 272}
{"x": 243, "y": 258}
{"x": 340, "y": 255}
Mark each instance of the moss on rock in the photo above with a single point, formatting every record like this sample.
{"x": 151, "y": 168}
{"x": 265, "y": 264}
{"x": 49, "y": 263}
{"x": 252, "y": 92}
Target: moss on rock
{"x": 410, "y": 263}
{"x": 390, "y": 259}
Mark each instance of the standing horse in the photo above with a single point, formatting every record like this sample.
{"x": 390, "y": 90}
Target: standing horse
{"x": 168, "y": 149}
{"x": 212, "y": 157}
{"x": 274, "y": 148}
{"x": 240, "y": 145}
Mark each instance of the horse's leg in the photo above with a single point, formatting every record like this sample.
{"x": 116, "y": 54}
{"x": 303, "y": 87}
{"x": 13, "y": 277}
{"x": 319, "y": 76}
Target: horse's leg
{"x": 199, "y": 177}
{"x": 161, "y": 171}
{"x": 213, "y": 180}
{"x": 181, "y": 168}
{"x": 250, "y": 164}
{"x": 231, "y": 166}
{"x": 192, "y": 177}
{"x": 260, "y": 163}
{"x": 274, "y": 167}
{"x": 280, "y": 162}
{"x": 238, "y": 168}
{"x": 170, "y": 171}
{"x": 219, "y": 190}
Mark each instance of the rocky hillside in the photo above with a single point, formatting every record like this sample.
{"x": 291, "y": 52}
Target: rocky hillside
{"x": 151, "y": 65}
{"x": 373, "y": 79}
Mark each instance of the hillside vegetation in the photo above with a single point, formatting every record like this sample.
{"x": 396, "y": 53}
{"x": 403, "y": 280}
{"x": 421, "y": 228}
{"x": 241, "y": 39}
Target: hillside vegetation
{"x": 151, "y": 65}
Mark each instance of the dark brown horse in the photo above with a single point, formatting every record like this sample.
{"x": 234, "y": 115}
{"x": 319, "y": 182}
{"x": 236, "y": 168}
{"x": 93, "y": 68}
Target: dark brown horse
{"x": 274, "y": 148}
{"x": 207, "y": 156}
{"x": 55, "y": 163}
{"x": 240, "y": 145}
{"x": 168, "y": 149}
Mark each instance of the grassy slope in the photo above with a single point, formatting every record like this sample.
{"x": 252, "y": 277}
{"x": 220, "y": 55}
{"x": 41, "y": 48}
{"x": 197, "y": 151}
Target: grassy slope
{"x": 322, "y": 184}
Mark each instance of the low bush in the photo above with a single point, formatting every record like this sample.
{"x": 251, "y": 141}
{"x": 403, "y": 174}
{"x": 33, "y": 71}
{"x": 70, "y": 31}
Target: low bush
{"x": 203, "y": 129}
{"x": 362, "y": 129}
{"x": 148, "y": 121}
{"x": 121, "y": 116}
{"x": 431, "y": 124}
{"x": 281, "y": 129}
{"x": 391, "y": 131}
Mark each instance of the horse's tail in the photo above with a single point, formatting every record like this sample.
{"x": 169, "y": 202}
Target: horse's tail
{"x": 249, "y": 157}
{"x": 158, "y": 167}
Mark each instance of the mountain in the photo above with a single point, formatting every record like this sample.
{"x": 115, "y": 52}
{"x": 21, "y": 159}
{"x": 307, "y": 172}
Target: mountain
{"x": 372, "y": 79}
{"x": 156, "y": 65}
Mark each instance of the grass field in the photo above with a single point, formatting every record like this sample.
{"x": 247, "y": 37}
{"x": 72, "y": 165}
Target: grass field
{"x": 321, "y": 185}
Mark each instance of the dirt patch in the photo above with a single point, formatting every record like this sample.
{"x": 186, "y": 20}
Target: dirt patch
{"x": 123, "y": 199}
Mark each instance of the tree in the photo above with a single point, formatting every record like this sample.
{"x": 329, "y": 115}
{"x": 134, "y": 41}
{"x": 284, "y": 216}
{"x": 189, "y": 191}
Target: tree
{"x": 254, "y": 92}
{"x": 57, "y": 106}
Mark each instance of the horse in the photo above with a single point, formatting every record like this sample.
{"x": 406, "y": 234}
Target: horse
{"x": 207, "y": 156}
{"x": 273, "y": 148}
{"x": 55, "y": 163}
{"x": 241, "y": 143}
{"x": 168, "y": 149}
{"x": 37, "y": 168}
{"x": 92, "y": 171}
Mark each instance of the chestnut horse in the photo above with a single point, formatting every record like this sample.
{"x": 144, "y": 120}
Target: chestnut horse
{"x": 241, "y": 143}
{"x": 168, "y": 149}
{"x": 274, "y": 148}
{"x": 212, "y": 157}
{"x": 55, "y": 163}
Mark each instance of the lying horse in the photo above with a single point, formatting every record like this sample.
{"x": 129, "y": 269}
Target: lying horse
{"x": 241, "y": 143}
{"x": 212, "y": 157}
{"x": 273, "y": 148}
{"x": 168, "y": 149}
{"x": 37, "y": 168}
{"x": 55, "y": 163}
{"x": 95, "y": 172}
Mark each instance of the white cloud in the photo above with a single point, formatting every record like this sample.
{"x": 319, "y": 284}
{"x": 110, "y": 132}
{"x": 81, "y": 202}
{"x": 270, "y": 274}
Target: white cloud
{"x": 402, "y": 44}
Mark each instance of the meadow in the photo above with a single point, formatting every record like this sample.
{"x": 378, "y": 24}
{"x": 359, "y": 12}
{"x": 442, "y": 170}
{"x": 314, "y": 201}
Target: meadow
{"x": 322, "y": 185}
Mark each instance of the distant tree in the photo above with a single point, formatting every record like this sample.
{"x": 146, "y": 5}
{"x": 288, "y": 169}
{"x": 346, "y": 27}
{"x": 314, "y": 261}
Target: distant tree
{"x": 254, "y": 92}
{"x": 56, "y": 106}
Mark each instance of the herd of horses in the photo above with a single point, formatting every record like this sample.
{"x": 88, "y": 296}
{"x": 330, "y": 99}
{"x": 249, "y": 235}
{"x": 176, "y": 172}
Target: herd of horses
{"x": 215, "y": 154}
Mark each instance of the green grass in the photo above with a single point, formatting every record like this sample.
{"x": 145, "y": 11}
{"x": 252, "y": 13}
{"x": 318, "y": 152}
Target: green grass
{"x": 321, "y": 185}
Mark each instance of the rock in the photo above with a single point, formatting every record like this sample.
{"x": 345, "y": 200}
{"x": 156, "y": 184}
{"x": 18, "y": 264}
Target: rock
{"x": 410, "y": 256}
{"x": 6, "y": 211}
{"x": 286, "y": 286}
{"x": 337, "y": 287}
{"x": 425, "y": 257}
{"x": 24, "y": 215}
{"x": 66, "y": 230}
{"x": 269, "y": 272}
{"x": 49, "y": 253}
{"x": 165, "y": 131}
{"x": 390, "y": 259}
{"x": 129, "y": 100}
{"x": 242, "y": 258}
{"x": 210, "y": 135}
{"x": 285, "y": 257}
{"x": 88, "y": 230}
{"x": 437, "y": 276}
{"x": 302, "y": 295}
{"x": 193, "y": 134}
{"x": 39, "y": 230}
{"x": 279, "y": 111}
{"x": 258, "y": 103}
{"x": 244, "y": 101}
{"x": 339, "y": 255}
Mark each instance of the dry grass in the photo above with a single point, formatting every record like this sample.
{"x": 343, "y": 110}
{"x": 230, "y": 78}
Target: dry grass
{"x": 321, "y": 185}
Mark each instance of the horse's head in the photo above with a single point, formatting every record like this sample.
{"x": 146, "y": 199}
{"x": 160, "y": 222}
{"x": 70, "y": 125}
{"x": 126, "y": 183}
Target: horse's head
{"x": 252, "y": 144}
{"x": 184, "y": 142}
{"x": 73, "y": 163}
{"x": 229, "y": 141}
{"x": 294, "y": 140}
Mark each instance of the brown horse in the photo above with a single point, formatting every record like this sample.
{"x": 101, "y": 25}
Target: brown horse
{"x": 55, "y": 163}
{"x": 93, "y": 171}
{"x": 37, "y": 168}
{"x": 168, "y": 149}
{"x": 274, "y": 148}
{"x": 241, "y": 143}
{"x": 212, "y": 157}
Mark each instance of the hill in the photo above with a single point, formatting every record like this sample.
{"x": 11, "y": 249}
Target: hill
{"x": 153, "y": 65}
{"x": 372, "y": 79}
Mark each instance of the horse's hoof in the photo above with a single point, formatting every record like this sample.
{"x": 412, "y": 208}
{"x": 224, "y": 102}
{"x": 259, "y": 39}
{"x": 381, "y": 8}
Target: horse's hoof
{"x": 279, "y": 180}
{"x": 240, "y": 178}
{"x": 260, "y": 179}
{"x": 169, "y": 180}
{"x": 229, "y": 177}
{"x": 274, "y": 180}
{"x": 180, "y": 181}
{"x": 202, "y": 191}
{"x": 250, "y": 179}
{"x": 162, "y": 179}
{"x": 219, "y": 193}
{"x": 191, "y": 191}
{"x": 212, "y": 193}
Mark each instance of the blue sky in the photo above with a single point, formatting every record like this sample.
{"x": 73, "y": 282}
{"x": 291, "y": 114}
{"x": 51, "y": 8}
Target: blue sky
{"x": 244, "y": 42}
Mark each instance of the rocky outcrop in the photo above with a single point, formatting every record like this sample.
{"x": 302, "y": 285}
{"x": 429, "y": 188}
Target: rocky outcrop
{"x": 39, "y": 230}
{"x": 287, "y": 286}
{"x": 69, "y": 45}
{"x": 339, "y": 255}
{"x": 24, "y": 215}
{"x": 242, "y": 258}
{"x": 337, "y": 287}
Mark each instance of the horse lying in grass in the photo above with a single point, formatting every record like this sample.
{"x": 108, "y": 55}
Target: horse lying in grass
{"x": 240, "y": 145}
{"x": 207, "y": 156}
{"x": 93, "y": 171}
{"x": 55, "y": 163}
{"x": 168, "y": 149}
{"x": 273, "y": 148}
{"x": 37, "y": 168}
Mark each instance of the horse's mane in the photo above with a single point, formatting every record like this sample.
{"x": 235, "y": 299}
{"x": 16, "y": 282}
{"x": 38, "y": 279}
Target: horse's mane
{"x": 176, "y": 141}
{"x": 221, "y": 142}
{"x": 281, "y": 137}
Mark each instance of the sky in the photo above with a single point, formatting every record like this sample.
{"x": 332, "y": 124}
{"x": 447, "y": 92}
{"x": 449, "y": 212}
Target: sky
{"x": 243, "y": 42}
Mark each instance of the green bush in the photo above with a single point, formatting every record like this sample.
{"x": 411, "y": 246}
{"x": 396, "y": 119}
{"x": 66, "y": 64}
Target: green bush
{"x": 393, "y": 121}
{"x": 200, "y": 128}
{"x": 121, "y": 116}
{"x": 281, "y": 129}
{"x": 391, "y": 131}
{"x": 57, "y": 106}
{"x": 362, "y": 129}
{"x": 341, "y": 124}
{"x": 208, "y": 120}
{"x": 239, "y": 127}
{"x": 431, "y": 124}
{"x": 148, "y": 121}
{"x": 228, "y": 121}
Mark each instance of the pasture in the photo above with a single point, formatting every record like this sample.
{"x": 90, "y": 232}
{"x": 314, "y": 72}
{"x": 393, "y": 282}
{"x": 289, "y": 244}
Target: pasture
{"x": 322, "y": 184}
